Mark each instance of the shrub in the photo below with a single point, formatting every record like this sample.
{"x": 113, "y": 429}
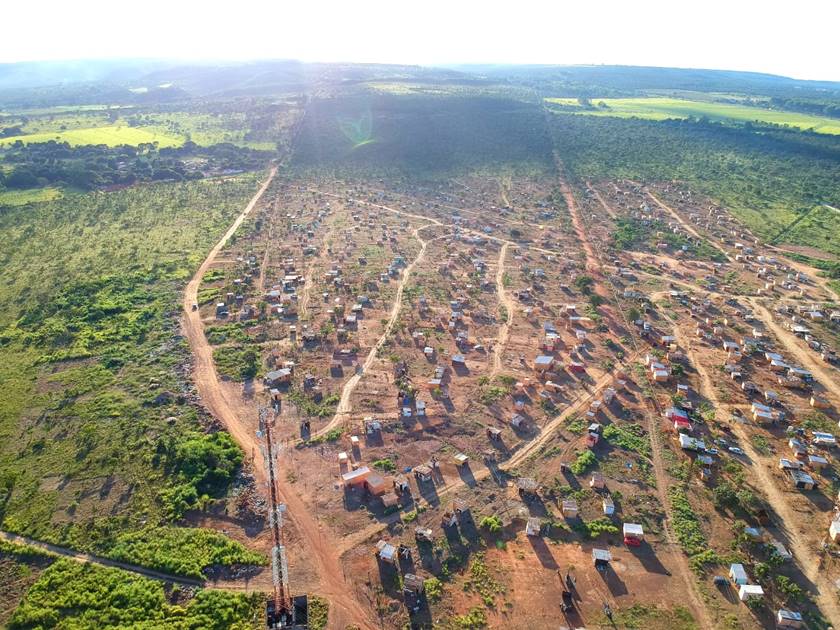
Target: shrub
{"x": 433, "y": 588}
{"x": 585, "y": 460}
{"x": 492, "y": 524}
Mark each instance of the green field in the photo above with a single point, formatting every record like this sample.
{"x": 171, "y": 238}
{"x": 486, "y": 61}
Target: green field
{"x": 133, "y": 126}
{"x": 111, "y": 135}
{"x": 31, "y": 195}
{"x": 669, "y": 108}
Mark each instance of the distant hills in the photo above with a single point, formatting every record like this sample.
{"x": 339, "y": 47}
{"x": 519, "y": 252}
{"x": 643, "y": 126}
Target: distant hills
{"x": 150, "y": 80}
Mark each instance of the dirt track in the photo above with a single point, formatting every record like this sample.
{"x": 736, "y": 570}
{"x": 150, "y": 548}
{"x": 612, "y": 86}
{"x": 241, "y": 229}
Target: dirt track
{"x": 827, "y": 376}
{"x": 505, "y": 301}
{"x": 239, "y": 418}
{"x": 344, "y": 407}
{"x": 594, "y": 263}
{"x": 808, "y": 561}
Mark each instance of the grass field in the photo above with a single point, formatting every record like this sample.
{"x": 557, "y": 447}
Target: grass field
{"x": 111, "y": 135}
{"x": 32, "y": 195}
{"x": 665, "y": 108}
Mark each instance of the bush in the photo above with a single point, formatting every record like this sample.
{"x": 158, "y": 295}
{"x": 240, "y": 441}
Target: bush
{"x": 385, "y": 465}
{"x": 593, "y": 529}
{"x": 70, "y": 594}
{"x": 433, "y": 588}
{"x": 181, "y": 550}
{"x": 492, "y": 524}
{"x": 584, "y": 460}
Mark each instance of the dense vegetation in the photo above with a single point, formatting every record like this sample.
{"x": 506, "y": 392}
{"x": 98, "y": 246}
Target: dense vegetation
{"x": 422, "y": 135}
{"x": 646, "y": 235}
{"x": 97, "y": 166}
{"x": 98, "y": 432}
{"x": 80, "y": 596}
{"x": 181, "y": 550}
{"x": 749, "y": 170}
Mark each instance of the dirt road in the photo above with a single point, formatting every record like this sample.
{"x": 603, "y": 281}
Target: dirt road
{"x": 595, "y": 264}
{"x": 239, "y": 417}
{"x": 87, "y": 558}
{"x": 807, "y": 560}
{"x": 509, "y": 306}
{"x": 344, "y": 406}
{"x": 829, "y": 377}
{"x": 607, "y": 207}
{"x": 592, "y": 262}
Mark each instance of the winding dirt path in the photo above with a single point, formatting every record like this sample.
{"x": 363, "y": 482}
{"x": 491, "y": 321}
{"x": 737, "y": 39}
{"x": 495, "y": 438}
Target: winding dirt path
{"x": 344, "y": 405}
{"x": 239, "y": 417}
{"x": 507, "y": 302}
{"x": 88, "y": 558}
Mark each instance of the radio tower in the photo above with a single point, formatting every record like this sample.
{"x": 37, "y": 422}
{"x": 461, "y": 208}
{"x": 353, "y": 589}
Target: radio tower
{"x": 281, "y": 611}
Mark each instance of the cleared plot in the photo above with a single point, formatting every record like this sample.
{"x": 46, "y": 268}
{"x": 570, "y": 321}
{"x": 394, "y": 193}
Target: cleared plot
{"x": 111, "y": 136}
{"x": 665, "y": 108}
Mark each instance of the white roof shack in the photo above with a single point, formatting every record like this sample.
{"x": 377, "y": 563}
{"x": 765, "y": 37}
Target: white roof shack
{"x": 633, "y": 530}
{"x": 738, "y": 574}
{"x": 789, "y": 619}
{"x": 750, "y": 591}
{"x": 834, "y": 529}
{"x": 824, "y": 439}
{"x": 689, "y": 443}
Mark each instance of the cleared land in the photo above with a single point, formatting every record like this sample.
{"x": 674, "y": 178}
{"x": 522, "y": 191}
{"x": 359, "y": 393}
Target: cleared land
{"x": 656, "y": 108}
{"x": 111, "y": 135}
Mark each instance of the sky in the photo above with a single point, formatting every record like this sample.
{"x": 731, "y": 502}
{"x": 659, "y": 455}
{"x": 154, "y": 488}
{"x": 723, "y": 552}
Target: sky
{"x": 797, "y": 40}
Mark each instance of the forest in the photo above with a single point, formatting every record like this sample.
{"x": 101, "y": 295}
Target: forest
{"x": 98, "y": 166}
{"x": 422, "y": 136}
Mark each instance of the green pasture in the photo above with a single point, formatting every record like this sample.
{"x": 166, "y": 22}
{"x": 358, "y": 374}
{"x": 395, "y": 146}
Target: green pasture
{"x": 110, "y": 135}
{"x": 665, "y": 108}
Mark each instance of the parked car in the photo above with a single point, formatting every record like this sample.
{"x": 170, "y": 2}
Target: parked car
{"x": 736, "y": 450}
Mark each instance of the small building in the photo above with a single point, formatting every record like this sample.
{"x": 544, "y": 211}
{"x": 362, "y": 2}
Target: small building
{"x": 634, "y": 534}
{"x": 386, "y": 552}
{"x": 424, "y": 534}
{"x": 412, "y": 583}
{"x": 355, "y": 478}
{"x": 461, "y": 459}
{"x": 816, "y": 462}
{"x": 789, "y": 619}
{"x": 423, "y": 473}
{"x": 834, "y": 530}
{"x": 750, "y": 591}
{"x": 527, "y": 485}
{"x": 738, "y": 574}
{"x": 601, "y": 558}
{"x": 532, "y": 526}
{"x": 543, "y": 363}
{"x": 278, "y": 377}
{"x": 597, "y": 480}
{"x": 569, "y": 508}
{"x": 375, "y": 484}
{"x": 801, "y": 480}
{"x": 608, "y": 506}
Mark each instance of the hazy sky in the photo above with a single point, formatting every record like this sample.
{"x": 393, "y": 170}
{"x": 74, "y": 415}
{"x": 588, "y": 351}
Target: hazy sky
{"x": 794, "y": 39}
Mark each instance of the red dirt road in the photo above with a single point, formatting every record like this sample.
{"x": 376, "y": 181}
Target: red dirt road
{"x": 239, "y": 417}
